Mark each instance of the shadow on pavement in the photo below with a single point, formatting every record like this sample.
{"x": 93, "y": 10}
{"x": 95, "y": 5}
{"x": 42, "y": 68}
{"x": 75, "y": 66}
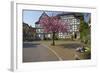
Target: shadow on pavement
{"x": 71, "y": 45}
{"x": 30, "y": 45}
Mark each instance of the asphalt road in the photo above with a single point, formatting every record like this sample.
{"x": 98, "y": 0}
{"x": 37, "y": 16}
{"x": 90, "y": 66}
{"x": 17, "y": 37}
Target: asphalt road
{"x": 35, "y": 52}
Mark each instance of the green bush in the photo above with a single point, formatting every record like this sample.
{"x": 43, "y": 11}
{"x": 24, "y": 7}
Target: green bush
{"x": 87, "y": 53}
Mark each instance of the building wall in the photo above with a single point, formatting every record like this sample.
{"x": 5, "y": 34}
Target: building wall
{"x": 73, "y": 25}
{"x": 40, "y": 34}
{"x": 73, "y": 28}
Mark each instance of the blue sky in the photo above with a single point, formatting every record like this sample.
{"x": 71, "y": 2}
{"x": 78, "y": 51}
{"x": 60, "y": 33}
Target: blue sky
{"x": 31, "y": 16}
{"x": 87, "y": 16}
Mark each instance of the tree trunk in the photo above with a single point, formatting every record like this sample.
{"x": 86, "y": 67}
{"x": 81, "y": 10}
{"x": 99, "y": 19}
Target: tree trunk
{"x": 53, "y": 39}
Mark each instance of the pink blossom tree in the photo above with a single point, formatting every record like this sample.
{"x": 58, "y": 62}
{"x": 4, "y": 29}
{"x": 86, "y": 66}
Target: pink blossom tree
{"x": 53, "y": 24}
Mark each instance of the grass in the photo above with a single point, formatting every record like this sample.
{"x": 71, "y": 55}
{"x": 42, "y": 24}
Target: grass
{"x": 67, "y": 49}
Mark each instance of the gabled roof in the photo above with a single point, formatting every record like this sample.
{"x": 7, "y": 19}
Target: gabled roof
{"x": 42, "y": 16}
{"x": 77, "y": 15}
